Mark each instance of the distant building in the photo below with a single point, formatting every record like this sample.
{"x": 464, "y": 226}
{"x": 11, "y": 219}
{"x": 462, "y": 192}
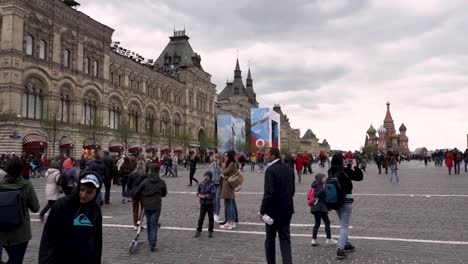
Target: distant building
{"x": 310, "y": 143}
{"x": 290, "y": 137}
{"x": 387, "y": 138}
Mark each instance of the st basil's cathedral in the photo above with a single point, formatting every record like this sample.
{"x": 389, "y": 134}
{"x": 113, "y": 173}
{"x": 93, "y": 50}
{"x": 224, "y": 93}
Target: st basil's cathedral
{"x": 385, "y": 138}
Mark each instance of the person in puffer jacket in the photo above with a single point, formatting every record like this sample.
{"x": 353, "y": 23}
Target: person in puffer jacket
{"x": 52, "y": 190}
{"x": 319, "y": 209}
{"x": 73, "y": 231}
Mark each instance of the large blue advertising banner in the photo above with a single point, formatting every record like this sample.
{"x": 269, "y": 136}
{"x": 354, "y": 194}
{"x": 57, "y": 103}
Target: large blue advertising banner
{"x": 226, "y": 125}
{"x": 265, "y": 129}
{"x": 240, "y": 135}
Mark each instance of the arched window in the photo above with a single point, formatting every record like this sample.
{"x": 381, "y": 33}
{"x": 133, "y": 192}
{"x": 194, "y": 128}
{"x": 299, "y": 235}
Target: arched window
{"x": 149, "y": 121}
{"x": 29, "y": 44}
{"x": 64, "y": 108}
{"x": 177, "y": 123}
{"x": 115, "y": 112}
{"x": 32, "y": 99}
{"x": 66, "y": 58}
{"x": 86, "y": 65}
{"x": 133, "y": 117}
{"x": 89, "y": 109}
{"x": 164, "y": 122}
{"x": 42, "y": 49}
{"x": 95, "y": 68}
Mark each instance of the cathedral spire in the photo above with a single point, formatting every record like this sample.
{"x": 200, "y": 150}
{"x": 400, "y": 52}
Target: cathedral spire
{"x": 249, "y": 79}
{"x": 237, "y": 71}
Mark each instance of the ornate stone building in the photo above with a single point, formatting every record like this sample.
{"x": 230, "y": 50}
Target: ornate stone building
{"x": 310, "y": 143}
{"x": 290, "y": 137}
{"x": 387, "y": 138}
{"x": 55, "y": 59}
{"x": 237, "y": 100}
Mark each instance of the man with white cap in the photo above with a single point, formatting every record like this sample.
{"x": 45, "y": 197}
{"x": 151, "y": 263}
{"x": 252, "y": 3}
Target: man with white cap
{"x": 73, "y": 231}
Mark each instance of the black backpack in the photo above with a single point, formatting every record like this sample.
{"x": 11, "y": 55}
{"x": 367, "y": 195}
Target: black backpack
{"x": 12, "y": 210}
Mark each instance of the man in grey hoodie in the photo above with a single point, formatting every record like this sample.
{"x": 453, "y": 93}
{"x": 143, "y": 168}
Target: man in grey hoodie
{"x": 152, "y": 189}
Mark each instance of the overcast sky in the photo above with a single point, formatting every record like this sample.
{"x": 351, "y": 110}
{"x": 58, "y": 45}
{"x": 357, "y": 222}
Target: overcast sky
{"x": 331, "y": 64}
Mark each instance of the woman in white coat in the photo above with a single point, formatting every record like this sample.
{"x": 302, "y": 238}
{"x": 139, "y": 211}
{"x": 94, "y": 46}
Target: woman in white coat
{"x": 52, "y": 190}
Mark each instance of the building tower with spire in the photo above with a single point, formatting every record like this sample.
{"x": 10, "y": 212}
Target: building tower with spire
{"x": 388, "y": 139}
{"x": 237, "y": 99}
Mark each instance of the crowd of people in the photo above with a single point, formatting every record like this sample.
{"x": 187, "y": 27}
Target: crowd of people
{"x": 77, "y": 193}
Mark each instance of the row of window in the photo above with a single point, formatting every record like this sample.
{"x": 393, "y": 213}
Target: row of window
{"x": 41, "y": 53}
{"x": 32, "y": 107}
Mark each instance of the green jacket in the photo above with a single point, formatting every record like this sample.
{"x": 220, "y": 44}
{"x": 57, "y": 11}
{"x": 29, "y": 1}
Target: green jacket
{"x": 22, "y": 233}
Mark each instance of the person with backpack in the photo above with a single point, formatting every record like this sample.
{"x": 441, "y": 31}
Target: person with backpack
{"x": 73, "y": 231}
{"x": 134, "y": 180}
{"x": 319, "y": 209}
{"x": 17, "y": 197}
{"x": 344, "y": 177}
{"x": 52, "y": 189}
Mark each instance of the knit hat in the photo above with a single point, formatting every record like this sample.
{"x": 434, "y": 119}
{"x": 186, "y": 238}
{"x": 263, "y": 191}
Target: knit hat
{"x": 209, "y": 174}
{"x": 68, "y": 164}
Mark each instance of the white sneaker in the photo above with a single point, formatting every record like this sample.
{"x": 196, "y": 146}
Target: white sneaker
{"x": 314, "y": 242}
{"x": 233, "y": 225}
{"x": 216, "y": 218}
{"x": 331, "y": 241}
{"x": 135, "y": 227}
{"x": 226, "y": 226}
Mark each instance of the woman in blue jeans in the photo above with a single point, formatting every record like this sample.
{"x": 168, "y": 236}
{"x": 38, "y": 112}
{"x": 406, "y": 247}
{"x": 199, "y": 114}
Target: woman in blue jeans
{"x": 215, "y": 169}
{"x": 345, "y": 177}
{"x": 230, "y": 168}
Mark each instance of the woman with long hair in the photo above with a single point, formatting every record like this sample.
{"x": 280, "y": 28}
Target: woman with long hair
{"x": 345, "y": 176}
{"x": 134, "y": 179}
{"x": 230, "y": 168}
{"x": 52, "y": 190}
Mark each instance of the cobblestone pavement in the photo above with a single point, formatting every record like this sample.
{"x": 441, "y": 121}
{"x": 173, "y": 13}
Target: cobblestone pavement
{"x": 422, "y": 219}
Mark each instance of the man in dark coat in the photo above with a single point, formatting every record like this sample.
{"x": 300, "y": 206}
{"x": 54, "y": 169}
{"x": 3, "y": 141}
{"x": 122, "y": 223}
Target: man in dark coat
{"x": 109, "y": 162}
{"x": 289, "y": 159}
{"x": 98, "y": 166}
{"x": 278, "y": 204}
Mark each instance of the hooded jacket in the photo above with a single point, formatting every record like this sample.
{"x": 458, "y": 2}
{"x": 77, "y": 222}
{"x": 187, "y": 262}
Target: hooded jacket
{"x": 152, "y": 189}
{"x": 23, "y": 232}
{"x": 319, "y": 201}
{"x": 73, "y": 231}
{"x": 52, "y": 191}
{"x": 100, "y": 168}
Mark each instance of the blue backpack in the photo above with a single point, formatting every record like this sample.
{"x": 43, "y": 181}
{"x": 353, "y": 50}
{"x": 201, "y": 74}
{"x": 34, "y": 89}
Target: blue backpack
{"x": 334, "y": 196}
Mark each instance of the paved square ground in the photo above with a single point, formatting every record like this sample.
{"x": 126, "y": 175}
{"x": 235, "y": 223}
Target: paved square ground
{"x": 422, "y": 219}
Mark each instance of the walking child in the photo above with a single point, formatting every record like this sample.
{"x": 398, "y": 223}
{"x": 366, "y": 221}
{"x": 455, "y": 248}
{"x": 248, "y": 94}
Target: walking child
{"x": 319, "y": 209}
{"x": 206, "y": 193}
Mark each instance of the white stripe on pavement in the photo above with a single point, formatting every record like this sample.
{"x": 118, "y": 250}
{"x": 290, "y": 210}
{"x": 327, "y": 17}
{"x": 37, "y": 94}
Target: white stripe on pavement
{"x": 395, "y": 239}
{"x": 296, "y": 225}
{"x": 355, "y": 194}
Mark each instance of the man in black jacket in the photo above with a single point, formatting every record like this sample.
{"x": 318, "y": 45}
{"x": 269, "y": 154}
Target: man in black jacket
{"x": 289, "y": 159}
{"x": 110, "y": 166}
{"x": 152, "y": 189}
{"x": 98, "y": 166}
{"x": 278, "y": 204}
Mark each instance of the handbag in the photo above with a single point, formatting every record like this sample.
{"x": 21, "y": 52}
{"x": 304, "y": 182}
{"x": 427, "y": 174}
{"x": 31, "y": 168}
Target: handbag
{"x": 236, "y": 180}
